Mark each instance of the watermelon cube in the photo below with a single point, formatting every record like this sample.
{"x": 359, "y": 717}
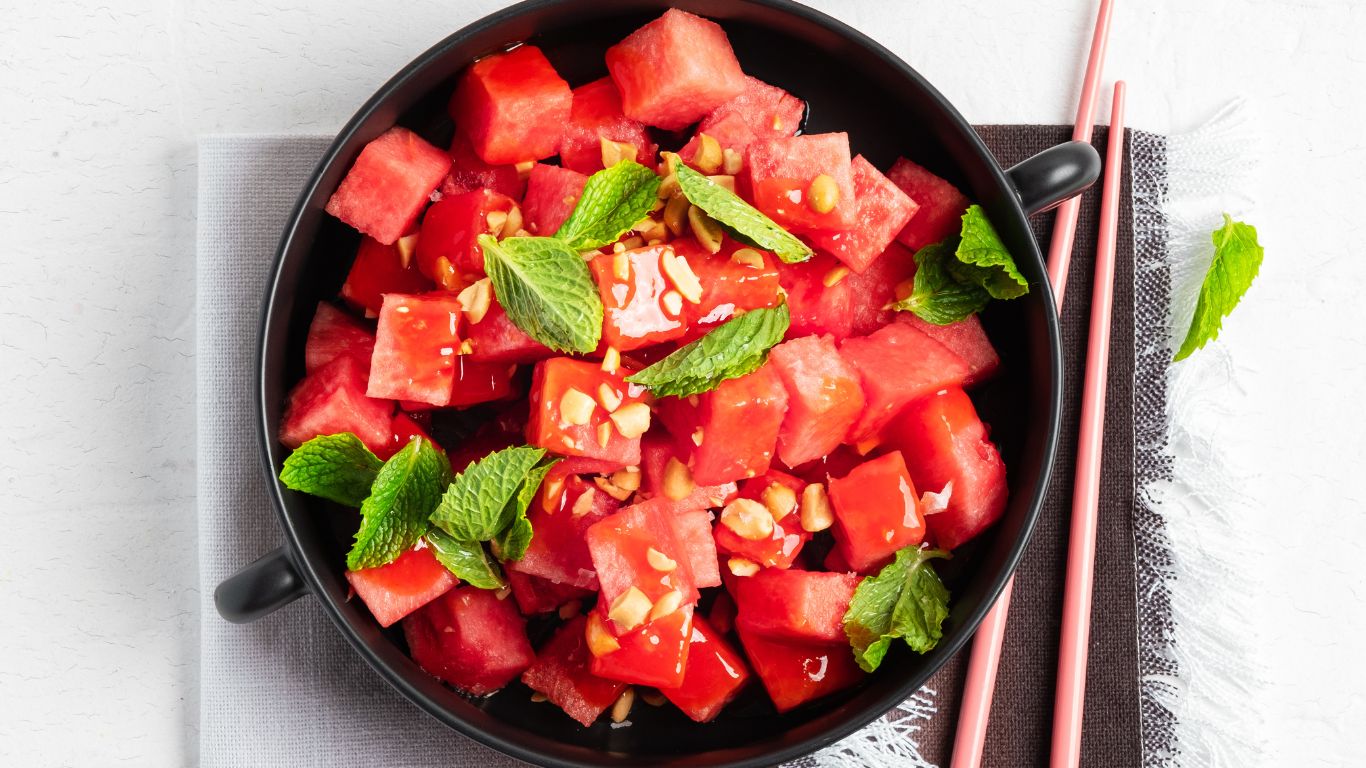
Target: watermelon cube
{"x": 561, "y": 518}
{"x": 476, "y": 382}
{"x": 512, "y": 106}
{"x": 781, "y": 548}
{"x": 551, "y": 194}
{"x": 714, "y": 676}
{"x": 447, "y": 248}
{"x": 730, "y": 432}
{"x": 693, "y": 530}
{"x": 495, "y": 339}
{"x": 620, "y": 545}
{"x": 597, "y": 115}
{"x": 877, "y": 512}
{"x": 397, "y": 589}
{"x": 941, "y": 205}
{"x": 332, "y": 400}
{"x": 882, "y": 210}
{"x": 554, "y": 379}
{"x": 389, "y": 184}
{"x": 405, "y": 427}
{"x": 470, "y": 639}
{"x": 944, "y": 442}
{"x": 781, "y": 171}
{"x": 967, "y": 339}
{"x": 537, "y": 595}
{"x": 816, "y": 308}
{"x": 561, "y": 672}
{"x": 728, "y": 285}
{"x": 655, "y": 653}
{"x": 794, "y": 605}
{"x": 656, "y": 450}
{"x": 731, "y": 132}
{"x": 796, "y": 673}
{"x": 768, "y": 111}
{"x": 897, "y": 364}
{"x": 675, "y": 70}
{"x": 377, "y": 270}
{"x": 882, "y": 282}
{"x": 334, "y": 333}
{"x": 824, "y": 398}
{"x": 632, "y": 286}
{"x": 416, "y": 347}
{"x": 470, "y": 173}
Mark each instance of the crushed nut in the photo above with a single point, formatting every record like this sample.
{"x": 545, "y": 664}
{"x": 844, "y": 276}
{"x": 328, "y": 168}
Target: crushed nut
{"x": 748, "y": 519}
{"x": 407, "y": 245}
{"x": 705, "y": 229}
{"x": 514, "y": 221}
{"x": 604, "y": 434}
{"x": 621, "y": 265}
{"x": 676, "y": 214}
{"x": 600, "y": 639}
{"x": 496, "y": 220}
{"x": 780, "y": 500}
{"x": 611, "y": 360}
{"x": 823, "y": 194}
{"x": 583, "y": 504}
{"x": 742, "y": 567}
{"x": 609, "y": 397}
{"x": 524, "y": 168}
{"x": 732, "y": 162}
{"x": 709, "y": 156}
{"x": 748, "y": 257}
{"x": 816, "y": 514}
{"x": 576, "y": 408}
{"x": 627, "y": 478}
{"x": 697, "y": 436}
{"x": 677, "y": 482}
{"x": 673, "y": 302}
{"x": 667, "y": 604}
{"x": 476, "y": 299}
{"x": 680, "y": 273}
{"x": 724, "y": 181}
{"x": 632, "y": 420}
{"x": 623, "y": 706}
{"x": 537, "y": 697}
{"x": 630, "y": 609}
{"x": 660, "y": 561}
{"x": 611, "y": 489}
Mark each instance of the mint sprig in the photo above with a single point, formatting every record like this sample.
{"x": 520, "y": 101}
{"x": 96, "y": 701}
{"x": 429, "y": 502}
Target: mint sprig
{"x": 745, "y": 222}
{"x": 1237, "y": 259}
{"x": 960, "y": 275}
{"x": 476, "y": 506}
{"x": 983, "y": 259}
{"x": 613, "y": 200}
{"x": 728, "y": 351}
{"x": 394, "y": 516}
{"x": 335, "y": 467}
{"x": 466, "y": 559}
{"x": 512, "y": 543}
{"x": 937, "y": 296}
{"x": 545, "y": 287}
{"x": 905, "y": 600}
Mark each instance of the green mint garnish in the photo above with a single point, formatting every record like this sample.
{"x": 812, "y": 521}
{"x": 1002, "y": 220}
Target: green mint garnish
{"x": 545, "y": 287}
{"x": 1237, "y": 259}
{"x": 335, "y": 467}
{"x": 904, "y": 600}
{"x": 937, "y": 297}
{"x": 745, "y": 222}
{"x": 394, "y": 516}
{"x": 958, "y": 276}
{"x": 478, "y": 505}
{"x": 613, "y": 200}
{"x": 512, "y": 542}
{"x": 466, "y": 559}
{"x": 728, "y": 351}
{"x": 983, "y": 259}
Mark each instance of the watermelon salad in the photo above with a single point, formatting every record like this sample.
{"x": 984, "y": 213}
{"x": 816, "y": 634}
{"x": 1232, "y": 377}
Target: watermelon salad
{"x": 701, "y": 379}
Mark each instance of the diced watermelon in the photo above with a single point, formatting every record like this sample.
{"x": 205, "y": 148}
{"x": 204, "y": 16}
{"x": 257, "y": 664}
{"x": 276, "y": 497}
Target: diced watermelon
{"x": 377, "y": 270}
{"x": 551, "y": 380}
{"x": 877, "y": 512}
{"x": 768, "y": 111}
{"x": 731, "y": 132}
{"x": 331, "y": 400}
{"x": 597, "y": 115}
{"x": 470, "y": 639}
{"x": 815, "y": 308}
{"x": 477, "y": 382}
{"x": 561, "y": 672}
{"x": 715, "y": 674}
{"x": 805, "y": 606}
{"x": 796, "y": 673}
{"x": 537, "y": 595}
{"x": 334, "y": 333}
{"x": 727, "y": 285}
{"x": 561, "y": 519}
{"x": 551, "y": 194}
{"x": 447, "y": 248}
{"x": 693, "y": 529}
{"x": 824, "y": 398}
{"x": 395, "y": 590}
{"x": 781, "y": 171}
{"x": 885, "y": 279}
{"x": 495, "y": 339}
{"x": 655, "y": 653}
{"x": 788, "y": 537}
{"x": 837, "y": 463}
{"x": 469, "y": 173}
{"x": 656, "y": 449}
{"x": 389, "y": 184}
{"x": 941, "y": 205}
{"x": 632, "y": 286}
{"x": 405, "y": 428}
{"x": 512, "y": 106}
{"x": 619, "y": 545}
{"x": 943, "y": 441}
{"x": 675, "y": 70}
{"x": 416, "y": 348}
{"x": 967, "y": 339}
{"x": 882, "y": 210}
{"x": 896, "y": 365}
{"x": 730, "y": 432}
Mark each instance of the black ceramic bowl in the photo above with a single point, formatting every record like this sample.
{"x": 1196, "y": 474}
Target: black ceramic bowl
{"x": 852, "y": 84}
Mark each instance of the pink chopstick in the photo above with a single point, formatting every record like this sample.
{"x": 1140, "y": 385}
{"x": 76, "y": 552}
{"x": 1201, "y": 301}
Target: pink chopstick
{"x": 985, "y": 658}
{"x": 1070, "y": 700}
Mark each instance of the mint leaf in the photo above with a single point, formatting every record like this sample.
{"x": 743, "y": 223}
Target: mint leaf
{"x": 476, "y": 506}
{"x": 335, "y": 467}
{"x": 937, "y": 297}
{"x": 466, "y": 559}
{"x": 613, "y": 200}
{"x": 511, "y": 544}
{"x": 984, "y": 260}
{"x": 728, "y": 351}
{"x": 743, "y": 220}
{"x": 394, "y": 516}
{"x": 904, "y": 600}
{"x": 1237, "y": 259}
{"x": 546, "y": 289}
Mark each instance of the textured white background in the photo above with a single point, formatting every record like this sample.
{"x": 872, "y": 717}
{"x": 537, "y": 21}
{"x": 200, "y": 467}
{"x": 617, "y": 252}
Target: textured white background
{"x": 100, "y": 105}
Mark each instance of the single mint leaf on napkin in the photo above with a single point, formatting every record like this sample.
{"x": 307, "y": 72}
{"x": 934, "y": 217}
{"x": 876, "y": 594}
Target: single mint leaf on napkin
{"x": 466, "y": 559}
{"x": 904, "y": 600}
{"x": 613, "y": 200}
{"x": 728, "y": 351}
{"x": 335, "y": 467}
{"x": 546, "y": 289}
{"x": 743, "y": 220}
{"x": 512, "y": 542}
{"x": 936, "y": 296}
{"x": 478, "y": 505}
{"x": 984, "y": 260}
{"x": 1237, "y": 259}
{"x": 394, "y": 516}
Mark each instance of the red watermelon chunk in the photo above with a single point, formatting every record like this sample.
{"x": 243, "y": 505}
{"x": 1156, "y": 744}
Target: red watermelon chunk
{"x": 397, "y": 589}
{"x": 632, "y": 286}
{"x": 416, "y": 348}
{"x": 619, "y": 545}
{"x": 788, "y": 537}
{"x": 816, "y": 308}
{"x": 693, "y": 530}
{"x": 551, "y": 381}
{"x": 537, "y": 595}
{"x": 377, "y": 270}
{"x": 941, "y": 205}
{"x": 512, "y": 106}
{"x": 331, "y": 400}
{"x": 781, "y": 171}
{"x": 767, "y": 110}
{"x": 877, "y": 512}
{"x": 447, "y": 248}
{"x": 730, "y": 432}
{"x": 470, "y": 639}
{"x": 655, "y": 653}
{"x": 551, "y": 194}
{"x": 469, "y": 173}
{"x": 881, "y": 283}
{"x": 476, "y": 382}
{"x": 334, "y": 333}
{"x": 597, "y": 115}
{"x": 656, "y": 450}
{"x": 714, "y": 676}
{"x": 943, "y": 441}
{"x": 883, "y": 209}
{"x": 675, "y": 70}
{"x": 731, "y": 132}
{"x": 794, "y": 605}
{"x": 405, "y": 427}
{"x": 897, "y": 364}
{"x": 727, "y": 285}
{"x": 561, "y": 518}
{"x": 796, "y": 673}
{"x": 561, "y": 672}
{"x": 390, "y": 182}
{"x": 495, "y": 339}
{"x": 967, "y": 339}
{"x": 824, "y": 398}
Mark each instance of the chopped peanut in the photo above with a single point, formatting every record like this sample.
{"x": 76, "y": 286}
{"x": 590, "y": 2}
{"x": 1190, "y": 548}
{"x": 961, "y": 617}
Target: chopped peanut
{"x": 667, "y": 604}
{"x": 823, "y": 194}
{"x": 748, "y": 257}
{"x": 748, "y": 519}
{"x": 660, "y": 561}
{"x": 576, "y": 408}
{"x": 815, "y": 510}
{"x": 678, "y": 482}
{"x": 608, "y": 487}
{"x": 697, "y": 435}
{"x": 604, "y": 434}
{"x": 680, "y": 273}
{"x": 834, "y": 276}
{"x": 609, "y": 397}
{"x": 632, "y": 420}
{"x": 709, "y": 157}
{"x": 741, "y": 567}
{"x": 630, "y": 609}
{"x": 611, "y": 360}
{"x": 627, "y": 478}
{"x": 514, "y": 221}
{"x": 780, "y": 500}
{"x": 669, "y": 187}
{"x": 496, "y": 221}
{"x": 407, "y": 245}
{"x": 476, "y": 299}
{"x": 524, "y": 168}
{"x": 705, "y": 229}
{"x": 621, "y": 265}
{"x": 673, "y": 302}
{"x": 600, "y": 640}
{"x": 732, "y": 162}
{"x": 537, "y": 697}
{"x": 676, "y": 214}
{"x": 552, "y": 492}
{"x": 724, "y": 181}
{"x": 623, "y": 706}
{"x": 583, "y": 504}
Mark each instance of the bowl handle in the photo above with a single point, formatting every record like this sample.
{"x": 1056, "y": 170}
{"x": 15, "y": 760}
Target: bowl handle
{"x": 260, "y": 588}
{"x": 1055, "y": 174}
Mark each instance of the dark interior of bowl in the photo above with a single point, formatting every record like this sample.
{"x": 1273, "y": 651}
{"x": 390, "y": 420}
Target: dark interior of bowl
{"x": 851, "y": 85}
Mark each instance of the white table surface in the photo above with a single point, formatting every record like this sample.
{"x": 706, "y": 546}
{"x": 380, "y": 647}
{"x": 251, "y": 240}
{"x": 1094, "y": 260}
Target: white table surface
{"x": 100, "y": 107}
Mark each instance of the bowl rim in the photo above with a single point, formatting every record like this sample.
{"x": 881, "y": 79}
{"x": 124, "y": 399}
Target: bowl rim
{"x": 867, "y": 711}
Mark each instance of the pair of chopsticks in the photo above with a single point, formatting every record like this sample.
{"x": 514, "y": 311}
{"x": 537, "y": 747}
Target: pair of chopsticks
{"x": 1076, "y": 619}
